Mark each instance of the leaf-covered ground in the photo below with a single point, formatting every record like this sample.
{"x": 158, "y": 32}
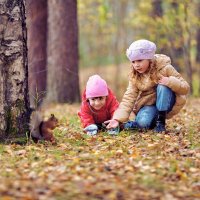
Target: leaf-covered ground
{"x": 133, "y": 165}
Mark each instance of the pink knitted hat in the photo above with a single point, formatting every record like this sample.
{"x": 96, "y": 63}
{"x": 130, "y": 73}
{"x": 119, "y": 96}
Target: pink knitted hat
{"x": 140, "y": 50}
{"x": 96, "y": 87}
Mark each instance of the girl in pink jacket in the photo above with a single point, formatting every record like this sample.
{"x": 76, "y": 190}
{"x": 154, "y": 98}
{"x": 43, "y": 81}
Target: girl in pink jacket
{"x": 98, "y": 105}
{"x": 156, "y": 91}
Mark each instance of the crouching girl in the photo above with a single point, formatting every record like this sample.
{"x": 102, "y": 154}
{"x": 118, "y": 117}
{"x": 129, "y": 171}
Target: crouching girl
{"x": 156, "y": 91}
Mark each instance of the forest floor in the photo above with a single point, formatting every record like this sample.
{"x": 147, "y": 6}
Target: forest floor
{"x": 130, "y": 166}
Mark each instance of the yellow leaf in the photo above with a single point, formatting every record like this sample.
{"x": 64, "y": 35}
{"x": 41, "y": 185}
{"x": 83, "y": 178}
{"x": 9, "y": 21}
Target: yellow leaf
{"x": 135, "y": 152}
{"x": 49, "y": 161}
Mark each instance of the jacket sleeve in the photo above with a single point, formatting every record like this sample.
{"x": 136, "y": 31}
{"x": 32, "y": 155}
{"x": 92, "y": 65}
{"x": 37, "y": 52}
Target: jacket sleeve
{"x": 113, "y": 105}
{"x": 126, "y": 106}
{"x": 176, "y": 81}
{"x": 85, "y": 115}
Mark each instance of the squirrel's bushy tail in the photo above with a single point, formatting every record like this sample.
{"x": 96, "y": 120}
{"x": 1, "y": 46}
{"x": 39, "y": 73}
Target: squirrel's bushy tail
{"x": 35, "y": 123}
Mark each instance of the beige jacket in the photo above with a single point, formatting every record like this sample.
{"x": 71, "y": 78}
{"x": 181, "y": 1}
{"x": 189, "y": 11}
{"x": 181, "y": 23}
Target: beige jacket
{"x": 143, "y": 91}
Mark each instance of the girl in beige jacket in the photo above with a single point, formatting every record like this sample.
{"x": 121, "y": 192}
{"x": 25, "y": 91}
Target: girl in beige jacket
{"x": 156, "y": 91}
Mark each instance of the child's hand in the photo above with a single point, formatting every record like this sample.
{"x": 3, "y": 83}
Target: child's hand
{"x": 91, "y": 129}
{"x": 164, "y": 80}
{"x": 113, "y": 131}
{"x": 111, "y": 123}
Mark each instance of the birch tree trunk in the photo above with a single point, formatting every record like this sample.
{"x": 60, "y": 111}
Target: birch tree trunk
{"x": 14, "y": 102}
{"x": 62, "y": 77}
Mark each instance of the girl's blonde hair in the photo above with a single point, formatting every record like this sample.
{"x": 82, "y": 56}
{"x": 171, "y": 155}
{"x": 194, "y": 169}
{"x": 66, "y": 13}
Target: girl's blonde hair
{"x": 152, "y": 72}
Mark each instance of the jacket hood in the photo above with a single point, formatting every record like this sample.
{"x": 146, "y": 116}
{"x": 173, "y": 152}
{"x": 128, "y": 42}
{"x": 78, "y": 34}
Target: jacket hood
{"x": 162, "y": 60}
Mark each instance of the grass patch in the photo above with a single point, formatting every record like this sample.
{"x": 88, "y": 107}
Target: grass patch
{"x": 193, "y": 138}
{"x": 196, "y": 84}
{"x": 152, "y": 182}
{"x": 77, "y": 143}
{"x": 2, "y": 148}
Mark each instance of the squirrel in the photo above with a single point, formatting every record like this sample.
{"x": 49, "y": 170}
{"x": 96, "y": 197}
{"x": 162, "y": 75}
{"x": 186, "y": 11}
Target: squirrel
{"x": 42, "y": 130}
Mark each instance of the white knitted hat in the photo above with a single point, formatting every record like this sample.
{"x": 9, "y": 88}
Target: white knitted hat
{"x": 140, "y": 50}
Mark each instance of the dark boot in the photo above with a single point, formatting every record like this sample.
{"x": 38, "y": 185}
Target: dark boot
{"x": 160, "y": 122}
{"x": 131, "y": 125}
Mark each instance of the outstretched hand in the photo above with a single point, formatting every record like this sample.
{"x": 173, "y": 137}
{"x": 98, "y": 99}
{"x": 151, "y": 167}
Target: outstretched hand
{"x": 111, "y": 123}
{"x": 164, "y": 80}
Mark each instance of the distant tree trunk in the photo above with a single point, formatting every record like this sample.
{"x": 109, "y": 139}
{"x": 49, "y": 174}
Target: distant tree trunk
{"x": 120, "y": 9}
{"x": 37, "y": 47}
{"x": 62, "y": 78}
{"x": 198, "y": 46}
{"x": 177, "y": 50}
{"x": 157, "y": 13}
{"x": 14, "y": 100}
{"x": 187, "y": 49}
{"x": 157, "y": 8}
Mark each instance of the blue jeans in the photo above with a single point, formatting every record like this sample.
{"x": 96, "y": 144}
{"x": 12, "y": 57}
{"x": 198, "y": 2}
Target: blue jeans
{"x": 165, "y": 100}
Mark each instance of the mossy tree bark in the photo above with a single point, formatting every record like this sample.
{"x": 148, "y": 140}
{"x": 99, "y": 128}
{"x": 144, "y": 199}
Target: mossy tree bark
{"x": 62, "y": 64}
{"x": 14, "y": 102}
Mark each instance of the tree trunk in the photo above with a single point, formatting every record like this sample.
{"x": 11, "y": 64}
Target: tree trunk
{"x": 157, "y": 14}
{"x": 198, "y": 46}
{"x": 177, "y": 50}
{"x": 62, "y": 78}
{"x": 187, "y": 49}
{"x": 157, "y": 10}
{"x": 14, "y": 101}
{"x": 120, "y": 10}
{"x": 37, "y": 45}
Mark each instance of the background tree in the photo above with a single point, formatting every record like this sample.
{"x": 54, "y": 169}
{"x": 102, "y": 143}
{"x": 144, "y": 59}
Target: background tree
{"x": 156, "y": 14}
{"x": 198, "y": 45}
{"x": 37, "y": 46}
{"x": 14, "y": 101}
{"x": 157, "y": 10}
{"x": 119, "y": 43}
{"x": 176, "y": 50}
{"x": 62, "y": 78}
{"x": 187, "y": 38}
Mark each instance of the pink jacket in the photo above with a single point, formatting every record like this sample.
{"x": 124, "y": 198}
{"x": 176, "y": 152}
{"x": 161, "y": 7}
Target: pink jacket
{"x": 89, "y": 115}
